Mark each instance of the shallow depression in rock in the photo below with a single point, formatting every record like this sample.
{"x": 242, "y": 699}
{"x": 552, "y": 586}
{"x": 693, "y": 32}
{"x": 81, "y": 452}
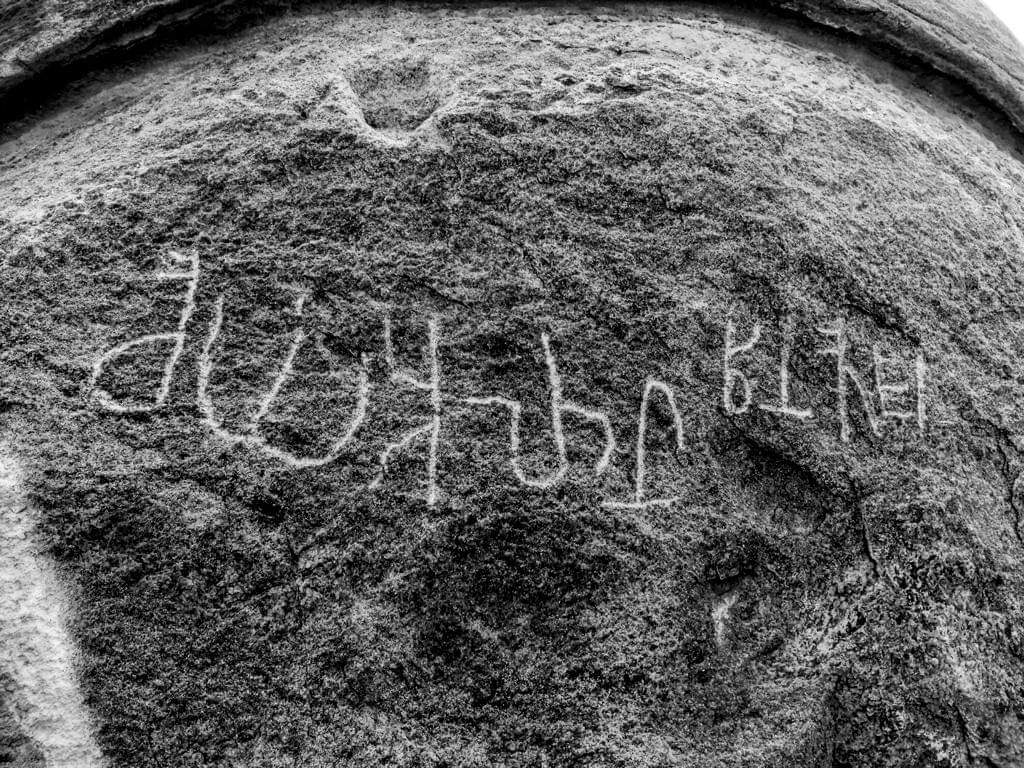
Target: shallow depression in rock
{"x": 396, "y": 94}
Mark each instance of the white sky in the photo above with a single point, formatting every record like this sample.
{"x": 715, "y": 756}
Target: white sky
{"x": 1012, "y": 14}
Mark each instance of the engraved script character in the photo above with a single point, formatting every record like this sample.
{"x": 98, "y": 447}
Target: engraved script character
{"x": 638, "y": 502}
{"x": 251, "y": 436}
{"x": 432, "y": 429}
{"x": 732, "y": 376}
{"x": 559, "y": 407}
{"x": 845, "y": 375}
{"x": 191, "y": 276}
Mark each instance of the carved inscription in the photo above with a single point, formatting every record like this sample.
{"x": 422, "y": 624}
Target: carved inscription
{"x": 251, "y": 436}
{"x": 559, "y": 408}
{"x": 893, "y": 392}
{"x": 177, "y": 338}
{"x": 878, "y": 406}
{"x": 785, "y": 407}
{"x": 640, "y": 501}
{"x": 429, "y": 432}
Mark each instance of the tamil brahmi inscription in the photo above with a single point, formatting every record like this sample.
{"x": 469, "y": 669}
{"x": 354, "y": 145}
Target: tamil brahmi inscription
{"x": 511, "y": 384}
{"x": 890, "y": 395}
{"x": 892, "y": 390}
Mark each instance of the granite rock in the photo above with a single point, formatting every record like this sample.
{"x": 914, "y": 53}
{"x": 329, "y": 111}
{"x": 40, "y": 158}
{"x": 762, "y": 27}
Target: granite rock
{"x": 529, "y": 385}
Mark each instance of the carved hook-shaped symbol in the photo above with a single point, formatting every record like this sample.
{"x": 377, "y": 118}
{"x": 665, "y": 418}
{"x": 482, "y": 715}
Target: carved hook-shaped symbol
{"x": 191, "y": 276}
{"x": 559, "y": 407}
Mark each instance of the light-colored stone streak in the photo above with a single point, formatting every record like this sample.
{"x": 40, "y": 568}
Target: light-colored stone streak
{"x": 36, "y": 652}
{"x": 720, "y": 615}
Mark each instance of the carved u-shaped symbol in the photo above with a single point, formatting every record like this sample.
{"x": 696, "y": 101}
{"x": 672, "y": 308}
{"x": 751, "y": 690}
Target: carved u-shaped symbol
{"x": 251, "y": 436}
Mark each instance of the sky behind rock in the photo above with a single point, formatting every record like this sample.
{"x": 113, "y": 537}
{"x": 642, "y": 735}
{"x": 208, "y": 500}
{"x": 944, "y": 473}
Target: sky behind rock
{"x": 1012, "y": 14}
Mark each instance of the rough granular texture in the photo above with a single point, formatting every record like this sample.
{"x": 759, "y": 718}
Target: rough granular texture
{"x": 41, "y": 39}
{"x": 456, "y": 267}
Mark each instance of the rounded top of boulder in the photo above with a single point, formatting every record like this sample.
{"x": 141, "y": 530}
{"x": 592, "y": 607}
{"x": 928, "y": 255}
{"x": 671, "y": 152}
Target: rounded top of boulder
{"x": 512, "y": 384}
{"x": 48, "y": 40}
{"x": 51, "y": 40}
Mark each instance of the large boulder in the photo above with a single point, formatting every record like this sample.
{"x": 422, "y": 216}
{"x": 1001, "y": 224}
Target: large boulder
{"x": 434, "y": 385}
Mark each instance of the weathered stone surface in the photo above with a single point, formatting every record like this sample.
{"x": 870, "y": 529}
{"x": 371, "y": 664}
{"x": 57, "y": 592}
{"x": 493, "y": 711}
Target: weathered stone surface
{"x": 960, "y": 38}
{"x": 589, "y": 213}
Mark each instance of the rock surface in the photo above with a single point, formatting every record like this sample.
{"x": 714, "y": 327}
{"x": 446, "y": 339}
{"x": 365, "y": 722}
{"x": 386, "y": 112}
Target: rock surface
{"x": 43, "y": 39}
{"x": 381, "y": 376}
